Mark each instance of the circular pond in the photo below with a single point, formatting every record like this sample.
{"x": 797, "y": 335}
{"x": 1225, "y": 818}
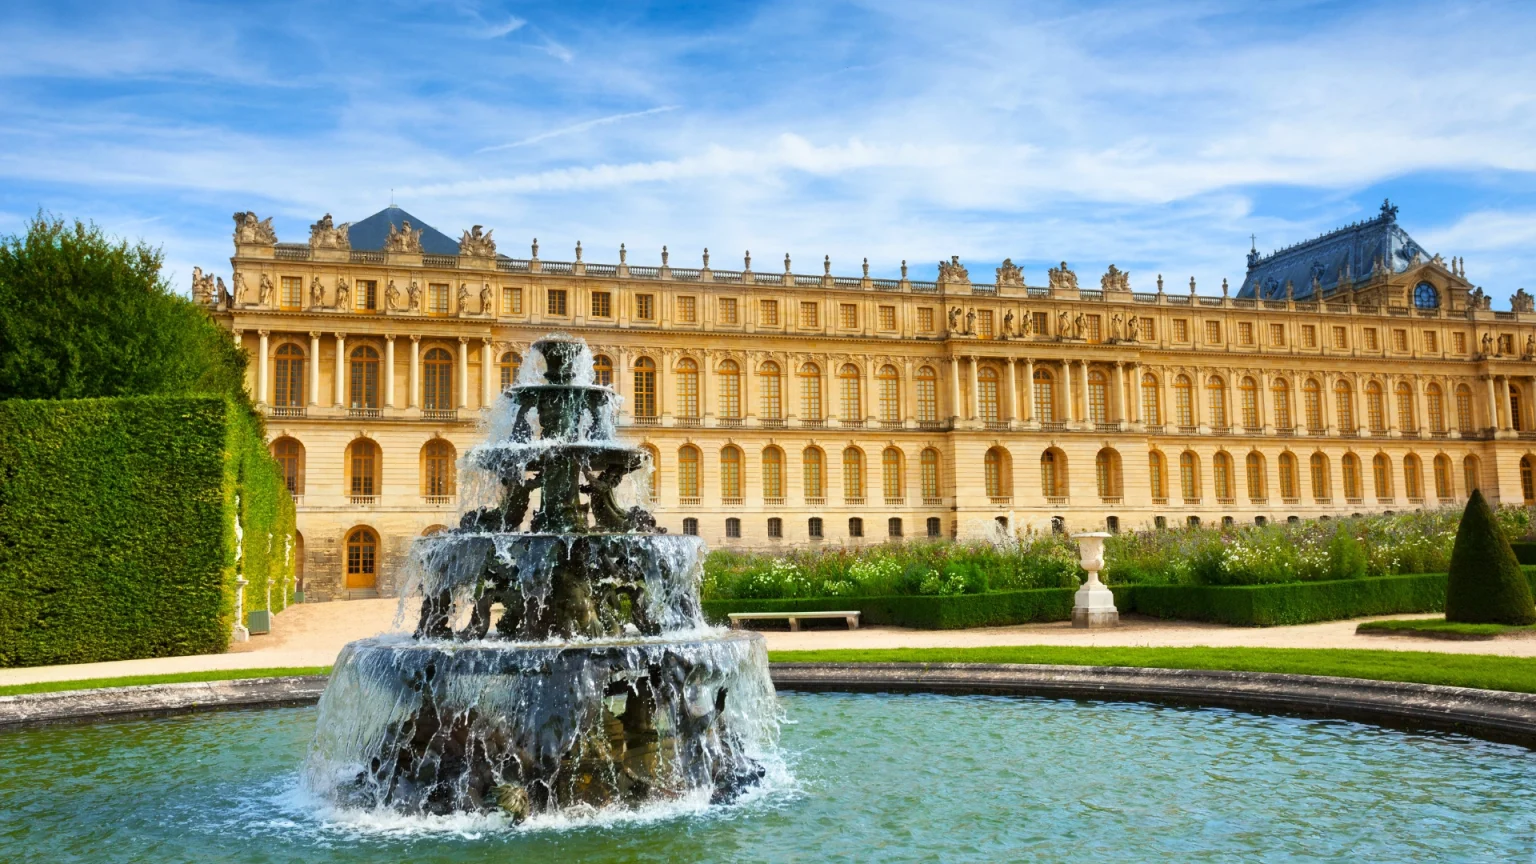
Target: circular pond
{"x": 888, "y": 778}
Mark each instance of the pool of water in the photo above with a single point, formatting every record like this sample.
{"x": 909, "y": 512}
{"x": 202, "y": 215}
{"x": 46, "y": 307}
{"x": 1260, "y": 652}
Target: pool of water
{"x": 876, "y": 778}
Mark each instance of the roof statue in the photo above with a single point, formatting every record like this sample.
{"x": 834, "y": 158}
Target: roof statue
{"x": 1062, "y": 278}
{"x": 1115, "y": 279}
{"x": 403, "y": 239}
{"x": 249, "y": 230}
{"x": 327, "y": 235}
{"x": 479, "y": 245}
{"x": 1522, "y": 301}
{"x": 1335, "y": 260}
{"x": 1010, "y": 275}
{"x": 952, "y": 272}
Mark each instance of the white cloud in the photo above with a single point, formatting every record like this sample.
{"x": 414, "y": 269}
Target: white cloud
{"x": 578, "y": 127}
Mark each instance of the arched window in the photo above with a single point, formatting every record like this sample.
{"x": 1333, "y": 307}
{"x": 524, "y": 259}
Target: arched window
{"x": 1527, "y": 481}
{"x": 770, "y": 388}
{"x": 1434, "y": 400}
{"x": 1098, "y": 397}
{"x": 1312, "y": 403}
{"x": 890, "y": 476}
{"x": 687, "y": 389}
{"x": 1352, "y": 487}
{"x": 1280, "y": 395}
{"x": 848, "y": 385}
{"x": 1216, "y": 390}
{"x": 653, "y": 457}
{"x": 1289, "y": 489}
{"x": 1381, "y": 475}
{"x": 365, "y": 377}
{"x": 1157, "y": 470}
{"x": 290, "y": 457}
{"x": 510, "y": 362}
{"x": 1151, "y": 404}
{"x": 1106, "y": 472}
{"x": 890, "y": 394}
{"x": 1189, "y": 476}
{"x": 1045, "y": 396}
{"x": 1221, "y": 474}
{"x": 853, "y": 476}
{"x": 927, "y": 395}
{"x": 1413, "y": 478}
{"x": 1248, "y": 390}
{"x": 730, "y": 474}
{"x": 1322, "y": 484}
{"x": 930, "y": 468}
{"x": 814, "y": 475}
{"x": 996, "y": 470}
{"x": 730, "y": 390}
{"x": 1471, "y": 474}
{"x": 363, "y": 470}
{"x": 437, "y": 380}
{"x": 1253, "y": 467}
{"x": 1464, "y": 420}
{"x": 1443, "y": 488}
{"x": 1375, "y": 409}
{"x": 645, "y": 387}
{"x": 1053, "y": 473}
{"x": 362, "y": 560}
{"x": 810, "y": 392}
{"x": 602, "y": 370}
{"x": 688, "y": 473}
{"x": 1425, "y": 296}
{"x": 1183, "y": 401}
{"x": 437, "y": 480}
{"x": 1407, "y": 420}
{"x": 288, "y": 387}
{"x": 773, "y": 475}
{"x": 987, "y": 394}
{"x": 1344, "y": 401}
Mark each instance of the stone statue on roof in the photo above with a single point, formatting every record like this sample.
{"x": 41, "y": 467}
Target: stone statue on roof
{"x": 403, "y": 239}
{"x": 325, "y": 234}
{"x": 1115, "y": 279}
{"x": 249, "y": 230}
{"x": 478, "y": 245}
{"x": 1062, "y": 278}
{"x": 1010, "y": 275}
{"x": 1521, "y": 301}
{"x": 953, "y": 272}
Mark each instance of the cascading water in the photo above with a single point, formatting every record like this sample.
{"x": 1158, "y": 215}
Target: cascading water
{"x": 565, "y": 668}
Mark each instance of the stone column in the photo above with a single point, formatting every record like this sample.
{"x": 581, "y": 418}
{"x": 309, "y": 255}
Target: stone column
{"x": 341, "y": 370}
{"x": 623, "y": 383}
{"x": 706, "y": 374}
{"x": 1135, "y": 392}
{"x": 1119, "y": 417}
{"x": 389, "y": 371}
{"x": 1505, "y": 421}
{"x": 314, "y": 368}
{"x": 1013, "y": 390}
{"x": 463, "y": 372}
{"x": 954, "y": 389}
{"x": 262, "y": 365}
{"x": 751, "y": 364}
{"x": 908, "y": 390}
{"x": 975, "y": 394}
{"x": 1029, "y": 390}
{"x": 1197, "y": 401}
{"x": 1266, "y": 411}
{"x": 1388, "y": 398}
{"x": 1330, "y": 405}
{"x": 413, "y": 398}
{"x": 1066, "y": 392}
{"x": 1419, "y": 411}
{"x": 1493, "y": 404}
{"x": 487, "y": 373}
{"x": 1082, "y": 389}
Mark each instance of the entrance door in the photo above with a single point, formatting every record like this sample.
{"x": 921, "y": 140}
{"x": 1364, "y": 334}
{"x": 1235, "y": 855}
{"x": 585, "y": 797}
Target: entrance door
{"x": 362, "y": 559}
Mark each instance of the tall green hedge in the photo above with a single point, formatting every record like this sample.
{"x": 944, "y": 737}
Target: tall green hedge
{"x": 117, "y": 526}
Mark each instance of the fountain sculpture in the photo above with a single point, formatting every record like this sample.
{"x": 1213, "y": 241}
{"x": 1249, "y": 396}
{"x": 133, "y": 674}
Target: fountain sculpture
{"x": 569, "y": 667}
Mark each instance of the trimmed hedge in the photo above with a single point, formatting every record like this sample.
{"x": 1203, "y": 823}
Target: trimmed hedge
{"x": 1525, "y": 552}
{"x": 117, "y": 526}
{"x": 923, "y": 611}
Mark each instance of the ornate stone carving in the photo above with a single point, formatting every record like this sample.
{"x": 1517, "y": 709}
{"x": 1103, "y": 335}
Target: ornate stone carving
{"x": 1116, "y": 324}
{"x": 970, "y": 322}
{"x": 202, "y": 286}
{"x": 463, "y": 298}
{"x": 485, "y": 299}
{"x": 1025, "y": 325}
{"x": 1133, "y": 329}
{"x": 264, "y": 290}
{"x": 1114, "y": 279}
{"x": 223, "y": 295}
{"x": 1478, "y": 300}
{"x": 249, "y": 230}
{"x": 317, "y": 293}
{"x": 403, "y": 239}
{"x": 952, "y": 272}
{"x": 1010, "y": 275}
{"x": 342, "y": 293}
{"x": 477, "y": 245}
{"x": 327, "y": 235}
{"x": 1063, "y": 324}
{"x": 1008, "y": 324}
{"x": 1487, "y": 344}
{"x": 1062, "y": 279}
{"x": 413, "y": 291}
{"x": 954, "y": 319}
{"x": 391, "y": 297}
{"x": 1521, "y": 301}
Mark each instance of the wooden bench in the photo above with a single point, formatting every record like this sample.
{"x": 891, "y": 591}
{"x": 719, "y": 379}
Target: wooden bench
{"x": 794, "y": 618}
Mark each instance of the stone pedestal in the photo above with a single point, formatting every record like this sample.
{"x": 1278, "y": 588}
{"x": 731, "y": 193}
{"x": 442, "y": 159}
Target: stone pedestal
{"x": 240, "y": 633}
{"x": 1093, "y": 606}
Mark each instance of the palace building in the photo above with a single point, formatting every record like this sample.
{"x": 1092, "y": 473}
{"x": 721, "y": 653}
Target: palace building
{"x": 1352, "y": 373}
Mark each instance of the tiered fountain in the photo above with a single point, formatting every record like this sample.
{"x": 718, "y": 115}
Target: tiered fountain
{"x": 568, "y": 667}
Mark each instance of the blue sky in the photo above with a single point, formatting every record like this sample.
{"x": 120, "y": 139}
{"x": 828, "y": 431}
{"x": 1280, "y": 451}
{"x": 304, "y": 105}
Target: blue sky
{"x": 1154, "y": 136}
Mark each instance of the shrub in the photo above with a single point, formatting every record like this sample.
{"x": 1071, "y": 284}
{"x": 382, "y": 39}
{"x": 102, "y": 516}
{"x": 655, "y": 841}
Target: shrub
{"x": 1485, "y": 584}
{"x": 1346, "y": 560}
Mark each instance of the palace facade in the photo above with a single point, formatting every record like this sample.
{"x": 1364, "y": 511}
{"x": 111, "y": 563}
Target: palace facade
{"x": 1353, "y": 373}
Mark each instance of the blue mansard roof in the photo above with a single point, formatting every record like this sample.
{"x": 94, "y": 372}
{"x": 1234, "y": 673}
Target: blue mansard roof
{"x": 1337, "y": 259}
{"x": 369, "y": 234}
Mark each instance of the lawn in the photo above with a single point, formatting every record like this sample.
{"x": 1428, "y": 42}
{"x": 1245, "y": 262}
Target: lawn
{"x": 176, "y": 678}
{"x": 1433, "y": 627}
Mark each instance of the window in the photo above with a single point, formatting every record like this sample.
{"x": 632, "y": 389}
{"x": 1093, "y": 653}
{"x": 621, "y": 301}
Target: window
{"x": 775, "y": 528}
{"x": 437, "y": 380}
{"x": 808, "y": 316}
{"x": 1216, "y": 391}
{"x": 935, "y": 527}
{"x": 688, "y": 388}
{"x": 691, "y": 526}
{"x": 1425, "y": 296}
{"x": 1406, "y": 420}
{"x": 602, "y": 370}
{"x": 1340, "y": 338}
{"x": 1515, "y": 420}
{"x": 1322, "y": 484}
{"x": 511, "y": 301}
{"x": 1181, "y": 330}
{"x": 1431, "y": 341}
{"x": 1052, "y": 473}
{"x": 1506, "y": 343}
{"x": 1459, "y": 342}
{"x": 1221, "y": 474}
{"x": 688, "y": 473}
{"x": 1312, "y": 404}
{"x": 890, "y": 476}
{"x": 1184, "y": 401}
{"x": 290, "y": 458}
{"x": 1277, "y": 335}
{"x": 927, "y": 395}
{"x": 437, "y": 479}
{"x": 1464, "y": 419}
{"x": 289, "y": 384}
{"x": 995, "y": 473}
{"x": 1254, "y": 469}
{"x": 1280, "y": 395}
{"x": 1045, "y": 398}
{"x": 733, "y": 528}
{"x": 984, "y": 328}
{"x": 853, "y": 476}
{"x": 1151, "y": 408}
{"x": 1370, "y": 339}
{"x": 645, "y": 307}
{"x": 293, "y": 293}
{"x": 925, "y": 319}
{"x": 653, "y": 469}
{"x": 768, "y": 313}
{"x": 810, "y": 392}
{"x": 364, "y": 377}
{"x": 1308, "y": 336}
{"x": 1288, "y": 487}
{"x": 602, "y": 304}
{"x": 1443, "y": 477}
{"x": 1413, "y": 481}
{"x": 1149, "y": 329}
{"x": 773, "y": 475}
{"x": 688, "y": 310}
{"x": 893, "y": 527}
{"x": 510, "y": 363}
{"x": 887, "y": 317}
{"x": 362, "y": 559}
{"x": 986, "y": 394}
{"x": 1381, "y": 475}
{"x": 730, "y": 475}
{"x": 728, "y": 314}
{"x": 1245, "y": 332}
{"x": 848, "y": 386}
{"x": 889, "y": 381}
{"x": 770, "y": 391}
{"x": 363, "y": 465}
{"x": 1435, "y": 403}
{"x": 1471, "y": 474}
{"x": 855, "y": 527}
{"x": 1157, "y": 472}
{"x": 1352, "y": 477}
{"x": 813, "y": 527}
{"x": 1042, "y": 323}
{"x": 1098, "y": 397}
{"x": 645, "y": 387}
{"x": 555, "y": 304}
{"x": 437, "y": 298}
{"x": 730, "y": 390}
{"x": 1189, "y": 476}
{"x": 1400, "y": 340}
{"x": 1248, "y": 394}
{"x": 366, "y": 296}
{"x": 1106, "y": 471}
{"x": 1213, "y": 332}
{"x": 848, "y": 315}
{"x": 814, "y": 475}
{"x": 1344, "y": 401}
{"x": 930, "y": 470}
{"x": 1375, "y": 413}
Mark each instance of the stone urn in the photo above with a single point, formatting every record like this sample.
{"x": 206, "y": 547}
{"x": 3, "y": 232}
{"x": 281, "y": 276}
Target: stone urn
{"x": 1093, "y": 606}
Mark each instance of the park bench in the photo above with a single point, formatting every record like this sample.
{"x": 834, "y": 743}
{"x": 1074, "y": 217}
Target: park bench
{"x": 794, "y": 618}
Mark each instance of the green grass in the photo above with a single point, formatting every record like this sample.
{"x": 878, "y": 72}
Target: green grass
{"x": 1482, "y": 671}
{"x": 175, "y": 678}
{"x": 1440, "y": 625}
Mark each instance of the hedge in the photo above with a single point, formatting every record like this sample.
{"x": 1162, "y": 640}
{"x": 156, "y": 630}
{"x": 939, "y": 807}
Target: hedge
{"x": 117, "y": 527}
{"x": 1525, "y": 551}
{"x": 922, "y": 611}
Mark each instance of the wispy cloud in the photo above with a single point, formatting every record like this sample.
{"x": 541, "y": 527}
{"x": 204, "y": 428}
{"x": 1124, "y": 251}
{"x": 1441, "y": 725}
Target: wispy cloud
{"x": 496, "y": 31}
{"x": 578, "y": 127}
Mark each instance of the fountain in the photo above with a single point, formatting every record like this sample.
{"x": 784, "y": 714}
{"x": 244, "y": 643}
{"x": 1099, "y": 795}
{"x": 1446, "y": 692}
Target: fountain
{"x": 566, "y": 668}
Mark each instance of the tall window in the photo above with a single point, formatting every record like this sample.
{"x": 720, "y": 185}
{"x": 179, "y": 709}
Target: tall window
{"x": 1216, "y": 389}
{"x": 688, "y": 389}
{"x": 986, "y": 394}
{"x": 1052, "y": 474}
{"x": 1464, "y": 412}
{"x": 602, "y": 370}
{"x": 1443, "y": 477}
{"x": 1471, "y": 474}
{"x": 1381, "y": 475}
{"x": 1189, "y": 476}
{"x": 365, "y": 377}
{"x": 995, "y": 465}
{"x": 927, "y": 395}
{"x": 1254, "y": 468}
{"x": 602, "y": 304}
{"x": 1184, "y": 401}
{"x": 365, "y": 297}
{"x": 730, "y": 390}
{"x": 1413, "y": 478}
{"x": 1435, "y": 403}
{"x": 290, "y": 457}
{"x": 1098, "y": 397}
{"x": 728, "y": 314}
{"x": 853, "y": 475}
{"x": 1527, "y": 481}
{"x": 810, "y": 392}
{"x": 1406, "y": 420}
{"x": 890, "y": 394}
{"x": 1515, "y": 421}
{"x": 1045, "y": 397}
{"x": 1312, "y": 402}
{"x": 808, "y": 315}
{"x": 645, "y": 387}
{"x": 1352, "y": 489}
{"x": 1280, "y": 394}
{"x": 1221, "y": 473}
{"x": 848, "y": 386}
{"x": 1344, "y": 401}
{"x": 1150, "y": 403}
{"x": 1288, "y": 488}
{"x": 555, "y": 303}
{"x": 730, "y": 475}
{"x": 1249, "y": 392}
{"x": 437, "y": 474}
{"x": 1375, "y": 409}
{"x": 508, "y": 365}
{"x": 511, "y": 301}
{"x": 1106, "y": 472}
{"x": 815, "y": 474}
{"x": 930, "y": 469}
{"x": 437, "y": 298}
{"x": 773, "y": 475}
{"x": 364, "y": 468}
{"x": 653, "y": 458}
{"x": 1322, "y": 485}
{"x": 688, "y": 473}
{"x": 289, "y": 385}
{"x": 1157, "y": 471}
{"x": 768, "y": 313}
{"x": 437, "y": 380}
{"x": 293, "y": 293}
{"x": 890, "y": 476}
{"x": 770, "y": 390}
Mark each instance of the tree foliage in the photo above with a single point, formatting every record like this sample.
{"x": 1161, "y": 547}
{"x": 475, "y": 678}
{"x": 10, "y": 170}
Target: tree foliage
{"x": 83, "y": 315}
{"x": 1485, "y": 584}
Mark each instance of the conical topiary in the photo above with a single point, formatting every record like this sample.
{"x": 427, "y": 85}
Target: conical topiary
{"x": 1485, "y": 585}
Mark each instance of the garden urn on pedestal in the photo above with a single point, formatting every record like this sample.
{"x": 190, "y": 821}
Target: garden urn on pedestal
{"x": 240, "y": 633}
{"x": 1093, "y": 606}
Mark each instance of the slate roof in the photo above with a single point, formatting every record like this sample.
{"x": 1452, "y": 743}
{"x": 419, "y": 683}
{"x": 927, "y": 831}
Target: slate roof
{"x": 369, "y": 234}
{"x": 1338, "y": 258}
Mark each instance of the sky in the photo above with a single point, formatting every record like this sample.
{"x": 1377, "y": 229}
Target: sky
{"x": 1155, "y": 136}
